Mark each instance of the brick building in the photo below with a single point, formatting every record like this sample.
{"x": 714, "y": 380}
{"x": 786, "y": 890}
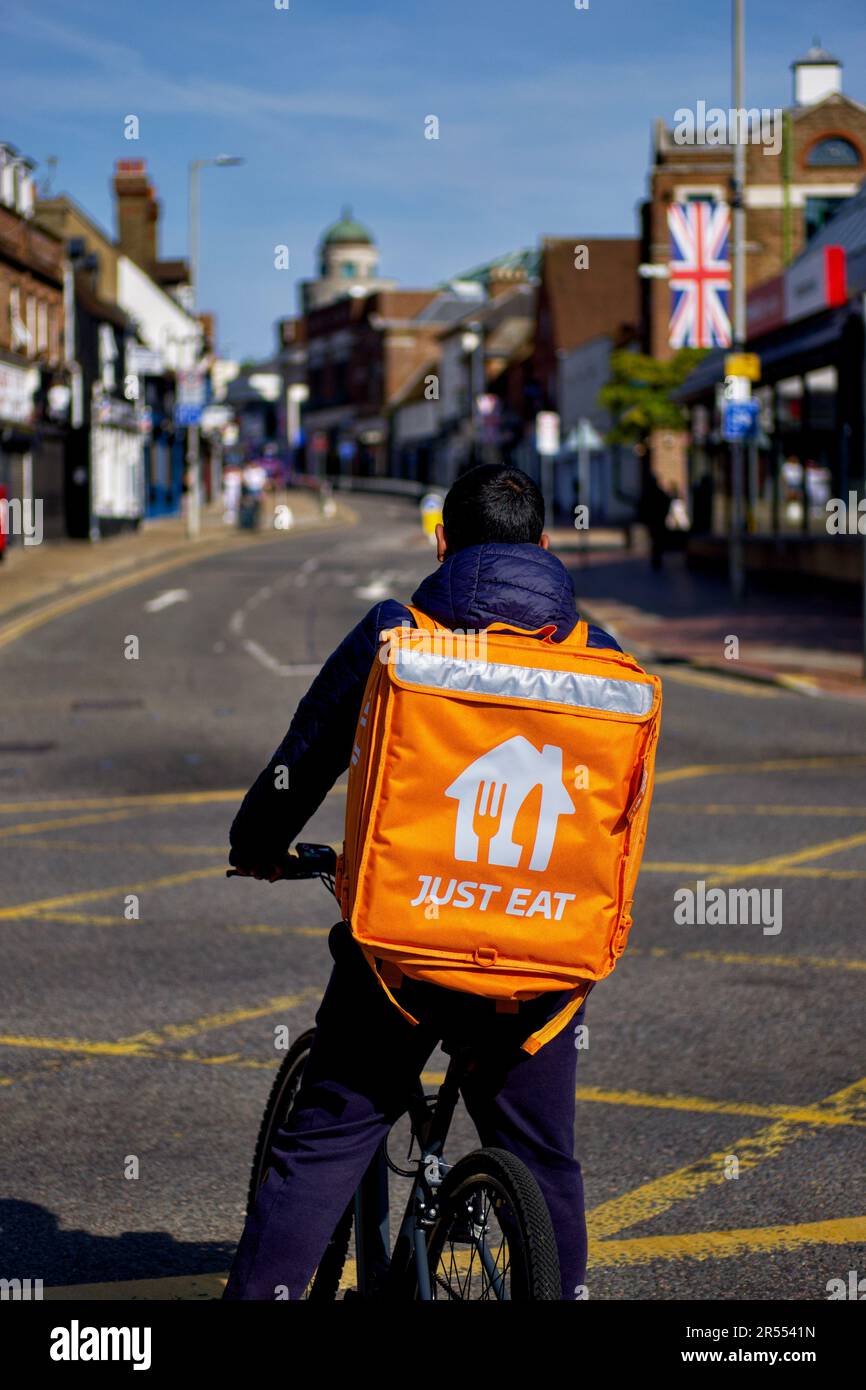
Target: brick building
{"x": 793, "y": 185}
{"x": 360, "y": 352}
{"x": 128, "y": 281}
{"x": 589, "y": 288}
{"x": 34, "y": 392}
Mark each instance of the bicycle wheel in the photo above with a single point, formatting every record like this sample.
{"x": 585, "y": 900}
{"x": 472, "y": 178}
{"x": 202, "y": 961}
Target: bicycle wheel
{"x": 287, "y": 1082}
{"x": 492, "y": 1238}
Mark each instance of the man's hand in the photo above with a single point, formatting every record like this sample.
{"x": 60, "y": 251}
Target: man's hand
{"x": 270, "y": 875}
{"x": 244, "y": 868}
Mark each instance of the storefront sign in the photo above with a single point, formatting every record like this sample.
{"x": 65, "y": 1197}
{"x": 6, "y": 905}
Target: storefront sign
{"x": 765, "y": 307}
{"x": 17, "y": 388}
{"x": 816, "y": 282}
{"x": 547, "y": 432}
{"x": 144, "y": 361}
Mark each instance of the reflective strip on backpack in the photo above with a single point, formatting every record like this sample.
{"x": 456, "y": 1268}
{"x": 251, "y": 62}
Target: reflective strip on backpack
{"x": 418, "y": 667}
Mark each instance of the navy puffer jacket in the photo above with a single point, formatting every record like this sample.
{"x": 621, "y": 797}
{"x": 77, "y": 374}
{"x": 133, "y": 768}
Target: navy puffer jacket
{"x": 483, "y": 584}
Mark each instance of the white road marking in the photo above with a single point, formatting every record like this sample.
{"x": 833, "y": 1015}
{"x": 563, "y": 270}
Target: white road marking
{"x": 379, "y": 587}
{"x": 271, "y": 663}
{"x": 156, "y": 605}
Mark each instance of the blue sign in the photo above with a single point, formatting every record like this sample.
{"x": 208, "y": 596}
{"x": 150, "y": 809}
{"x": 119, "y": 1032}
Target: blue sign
{"x": 187, "y": 414}
{"x": 740, "y": 420}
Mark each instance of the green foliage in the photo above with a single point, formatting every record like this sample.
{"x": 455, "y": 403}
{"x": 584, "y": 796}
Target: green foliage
{"x": 638, "y": 393}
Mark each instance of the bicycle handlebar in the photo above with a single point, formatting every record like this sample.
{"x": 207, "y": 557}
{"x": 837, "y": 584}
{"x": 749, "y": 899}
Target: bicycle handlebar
{"x": 307, "y": 861}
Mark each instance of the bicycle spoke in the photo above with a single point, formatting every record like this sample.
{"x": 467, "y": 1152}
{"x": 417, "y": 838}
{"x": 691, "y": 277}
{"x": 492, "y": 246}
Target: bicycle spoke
{"x": 473, "y": 1263}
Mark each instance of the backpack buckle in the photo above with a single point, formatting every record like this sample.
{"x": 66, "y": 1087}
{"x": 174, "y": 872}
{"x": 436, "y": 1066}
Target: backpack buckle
{"x": 485, "y": 955}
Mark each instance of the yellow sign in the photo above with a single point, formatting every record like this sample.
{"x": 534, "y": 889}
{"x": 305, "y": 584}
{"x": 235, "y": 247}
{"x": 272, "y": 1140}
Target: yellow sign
{"x": 431, "y": 513}
{"x": 747, "y": 364}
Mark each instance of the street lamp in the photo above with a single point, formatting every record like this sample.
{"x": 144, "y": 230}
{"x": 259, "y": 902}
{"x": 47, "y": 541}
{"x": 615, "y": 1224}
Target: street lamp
{"x": 736, "y": 561}
{"x": 193, "y": 514}
{"x": 472, "y": 343}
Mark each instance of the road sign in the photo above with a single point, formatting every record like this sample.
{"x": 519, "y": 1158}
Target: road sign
{"x": 584, "y": 436}
{"x": 192, "y": 387}
{"x": 547, "y": 432}
{"x": 740, "y": 420}
{"x": 738, "y": 388}
{"x": 188, "y": 414}
{"x": 747, "y": 364}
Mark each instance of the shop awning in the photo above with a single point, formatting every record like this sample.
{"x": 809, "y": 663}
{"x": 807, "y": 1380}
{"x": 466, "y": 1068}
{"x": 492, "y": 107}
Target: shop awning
{"x": 785, "y": 352}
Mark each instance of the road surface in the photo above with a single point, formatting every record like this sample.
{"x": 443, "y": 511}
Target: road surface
{"x": 721, "y": 1103}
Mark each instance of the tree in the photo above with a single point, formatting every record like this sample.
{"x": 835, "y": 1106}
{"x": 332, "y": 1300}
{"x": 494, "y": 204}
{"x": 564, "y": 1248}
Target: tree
{"x": 638, "y": 393}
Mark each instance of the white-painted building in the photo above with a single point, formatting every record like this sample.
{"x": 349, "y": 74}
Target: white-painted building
{"x": 162, "y": 323}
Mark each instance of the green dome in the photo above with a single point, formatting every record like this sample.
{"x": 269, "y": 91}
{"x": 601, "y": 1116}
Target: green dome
{"x": 346, "y": 230}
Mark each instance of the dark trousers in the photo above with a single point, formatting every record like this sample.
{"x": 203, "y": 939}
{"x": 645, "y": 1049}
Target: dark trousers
{"x": 356, "y": 1084}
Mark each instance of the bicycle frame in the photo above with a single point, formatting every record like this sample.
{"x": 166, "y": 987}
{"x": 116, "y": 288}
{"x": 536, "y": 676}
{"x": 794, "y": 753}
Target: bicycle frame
{"x": 378, "y": 1273}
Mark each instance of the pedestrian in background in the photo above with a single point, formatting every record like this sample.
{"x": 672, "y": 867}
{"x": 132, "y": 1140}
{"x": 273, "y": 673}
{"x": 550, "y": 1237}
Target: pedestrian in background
{"x": 655, "y": 505}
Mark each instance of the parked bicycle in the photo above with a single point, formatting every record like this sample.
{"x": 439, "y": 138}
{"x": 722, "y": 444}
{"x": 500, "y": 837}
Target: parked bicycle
{"x": 475, "y": 1229}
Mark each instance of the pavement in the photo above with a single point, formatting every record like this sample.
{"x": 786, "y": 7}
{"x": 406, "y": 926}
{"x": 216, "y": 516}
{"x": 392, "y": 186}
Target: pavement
{"x": 810, "y": 640}
{"x": 720, "y": 1105}
{"x": 33, "y": 575}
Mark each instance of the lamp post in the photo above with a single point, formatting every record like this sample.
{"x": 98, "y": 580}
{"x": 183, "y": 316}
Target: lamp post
{"x": 472, "y": 343}
{"x": 735, "y": 556}
{"x": 193, "y": 458}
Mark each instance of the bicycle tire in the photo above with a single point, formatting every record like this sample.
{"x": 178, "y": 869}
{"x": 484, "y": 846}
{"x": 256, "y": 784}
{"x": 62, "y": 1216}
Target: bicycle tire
{"x": 277, "y": 1107}
{"x": 535, "y": 1261}
{"x": 286, "y": 1084}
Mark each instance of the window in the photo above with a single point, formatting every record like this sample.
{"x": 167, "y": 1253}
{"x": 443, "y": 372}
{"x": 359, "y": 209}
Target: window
{"x": 348, "y": 270}
{"x": 699, "y": 193}
{"x": 31, "y": 323}
{"x": 833, "y": 153}
{"x": 818, "y": 211}
{"x": 41, "y": 327}
{"x": 54, "y": 332}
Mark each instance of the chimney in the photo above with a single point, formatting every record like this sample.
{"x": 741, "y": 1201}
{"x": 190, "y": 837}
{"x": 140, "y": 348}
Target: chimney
{"x": 137, "y": 212}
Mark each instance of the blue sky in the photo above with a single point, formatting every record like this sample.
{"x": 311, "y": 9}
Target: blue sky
{"x": 545, "y": 118}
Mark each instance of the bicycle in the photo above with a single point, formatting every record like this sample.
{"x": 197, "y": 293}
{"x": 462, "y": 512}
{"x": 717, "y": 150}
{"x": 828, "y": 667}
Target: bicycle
{"x": 446, "y": 1245}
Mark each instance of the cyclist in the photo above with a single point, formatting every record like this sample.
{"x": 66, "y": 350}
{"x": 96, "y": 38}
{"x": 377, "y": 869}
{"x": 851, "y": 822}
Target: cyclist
{"x": 495, "y": 566}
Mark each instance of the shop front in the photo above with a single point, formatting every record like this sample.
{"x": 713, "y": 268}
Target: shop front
{"x": 807, "y": 328}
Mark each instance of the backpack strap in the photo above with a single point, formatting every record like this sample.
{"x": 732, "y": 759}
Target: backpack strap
{"x": 555, "y": 1025}
{"x": 380, "y": 976}
{"x": 576, "y": 638}
{"x": 422, "y": 620}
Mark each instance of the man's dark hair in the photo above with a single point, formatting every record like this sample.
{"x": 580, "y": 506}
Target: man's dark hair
{"x": 493, "y": 502}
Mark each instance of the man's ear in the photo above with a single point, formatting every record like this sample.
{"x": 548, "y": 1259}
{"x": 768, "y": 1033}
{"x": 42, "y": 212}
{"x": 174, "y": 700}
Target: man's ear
{"x": 545, "y": 541}
{"x": 441, "y": 545}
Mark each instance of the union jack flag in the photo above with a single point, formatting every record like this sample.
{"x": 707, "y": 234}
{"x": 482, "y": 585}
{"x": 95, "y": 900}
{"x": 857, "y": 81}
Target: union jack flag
{"x": 700, "y": 275}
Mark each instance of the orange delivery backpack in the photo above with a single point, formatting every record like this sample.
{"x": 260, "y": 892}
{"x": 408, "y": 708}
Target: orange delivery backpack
{"x": 498, "y": 796}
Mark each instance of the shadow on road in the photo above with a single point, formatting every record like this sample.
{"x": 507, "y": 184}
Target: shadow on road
{"x": 34, "y": 1246}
